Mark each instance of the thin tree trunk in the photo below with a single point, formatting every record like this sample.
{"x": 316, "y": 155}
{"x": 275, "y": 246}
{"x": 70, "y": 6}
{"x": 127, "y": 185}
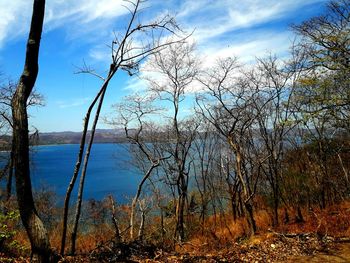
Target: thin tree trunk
{"x": 10, "y": 172}
{"x": 143, "y": 208}
{"x": 248, "y": 207}
{"x": 75, "y": 173}
{"x": 83, "y": 174}
{"x": 39, "y": 240}
{"x": 162, "y": 224}
{"x": 117, "y": 234}
{"x": 275, "y": 207}
{"x": 180, "y": 217}
{"x": 136, "y": 197}
{"x": 345, "y": 171}
{"x": 86, "y": 158}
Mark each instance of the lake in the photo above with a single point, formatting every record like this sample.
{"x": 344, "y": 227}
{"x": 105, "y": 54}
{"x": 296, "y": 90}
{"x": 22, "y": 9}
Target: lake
{"x": 109, "y": 171}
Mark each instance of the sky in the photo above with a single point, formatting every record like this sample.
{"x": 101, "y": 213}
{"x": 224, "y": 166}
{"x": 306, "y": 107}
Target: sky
{"x": 79, "y": 31}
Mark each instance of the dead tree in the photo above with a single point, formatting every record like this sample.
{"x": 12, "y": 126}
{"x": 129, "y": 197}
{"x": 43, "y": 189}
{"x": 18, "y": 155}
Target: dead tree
{"x": 176, "y": 68}
{"x": 275, "y": 81}
{"x": 204, "y": 158}
{"x": 227, "y": 106}
{"x": 144, "y": 205}
{"x": 117, "y": 234}
{"x": 127, "y": 56}
{"x": 133, "y": 114}
{"x": 40, "y": 245}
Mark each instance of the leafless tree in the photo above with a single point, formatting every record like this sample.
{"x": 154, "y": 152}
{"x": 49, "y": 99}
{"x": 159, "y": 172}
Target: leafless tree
{"x": 125, "y": 55}
{"x": 133, "y": 116}
{"x": 176, "y": 68}
{"x": 145, "y": 205}
{"x": 227, "y": 105}
{"x": 204, "y": 156}
{"x": 275, "y": 81}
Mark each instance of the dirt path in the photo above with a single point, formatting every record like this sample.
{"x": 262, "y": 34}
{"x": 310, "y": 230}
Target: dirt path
{"x": 340, "y": 254}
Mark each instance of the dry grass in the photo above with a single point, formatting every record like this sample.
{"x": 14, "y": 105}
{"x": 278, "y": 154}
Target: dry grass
{"x": 219, "y": 233}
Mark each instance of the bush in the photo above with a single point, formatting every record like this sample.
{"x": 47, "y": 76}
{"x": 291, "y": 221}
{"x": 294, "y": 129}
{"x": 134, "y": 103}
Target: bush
{"x": 8, "y": 244}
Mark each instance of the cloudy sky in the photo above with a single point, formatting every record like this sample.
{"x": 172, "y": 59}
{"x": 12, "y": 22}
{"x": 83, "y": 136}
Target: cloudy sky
{"x": 78, "y": 31}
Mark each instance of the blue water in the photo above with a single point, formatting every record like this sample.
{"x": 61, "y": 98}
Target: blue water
{"x": 109, "y": 170}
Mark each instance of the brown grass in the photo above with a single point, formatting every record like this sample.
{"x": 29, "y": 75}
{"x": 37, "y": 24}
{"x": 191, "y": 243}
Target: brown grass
{"x": 221, "y": 232}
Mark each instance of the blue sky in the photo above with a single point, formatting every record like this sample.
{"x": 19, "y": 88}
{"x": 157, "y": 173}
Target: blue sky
{"x": 80, "y": 30}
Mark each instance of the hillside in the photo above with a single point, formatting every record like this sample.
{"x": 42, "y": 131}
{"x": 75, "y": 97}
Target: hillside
{"x": 69, "y": 137}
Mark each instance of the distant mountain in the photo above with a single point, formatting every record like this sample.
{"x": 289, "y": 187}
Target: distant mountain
{"x": 69, "y": 137}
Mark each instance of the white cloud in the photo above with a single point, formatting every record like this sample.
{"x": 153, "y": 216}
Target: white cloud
{"x": 13, "y": 18}
{"x": 73, "y": 103}
{"x": 213, "y": 19}
{"x": 249, "y": 48}
{"x": 136, "y": 84}
{"x": 81, "y": 15}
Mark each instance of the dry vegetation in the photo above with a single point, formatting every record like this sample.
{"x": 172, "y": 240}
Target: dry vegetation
{"x": 258, "y": 173}
{"x": 220, "y": 239}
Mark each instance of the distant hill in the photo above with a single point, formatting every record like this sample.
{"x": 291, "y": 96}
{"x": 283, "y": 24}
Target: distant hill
{"x": 69, "y": 137}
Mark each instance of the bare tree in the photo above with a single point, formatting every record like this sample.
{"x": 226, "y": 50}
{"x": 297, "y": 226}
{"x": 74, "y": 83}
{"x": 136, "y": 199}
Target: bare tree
{"x": 145, "y": 206}
{"x": 227, "y": 105}
{"x": 41, "y": 251}
{"x": 275, "y": 81}
{"x": 133, "y": 116}
{"x": 176, "y": 68}
{"x": 204, "y": 159}
{"x": 127, "y": 56}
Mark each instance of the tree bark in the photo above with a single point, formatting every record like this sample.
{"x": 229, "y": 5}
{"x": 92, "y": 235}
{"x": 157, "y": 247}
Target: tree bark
{"x": 248, "y": 207}
{"x": 136, "y": 198}
{"x": 117, "y": 234}
{"x": 76, "y": 172}
{"x": 85, "y": 165}
{"x": 40, "y": 245}
{"x": 10, "y": 172}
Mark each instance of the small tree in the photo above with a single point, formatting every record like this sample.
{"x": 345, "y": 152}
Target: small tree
{"x": 176, "y": 68}
{"x": 127, "y": 56}
{"x": 228, "y": 104}
{"x": 133, "y": 115}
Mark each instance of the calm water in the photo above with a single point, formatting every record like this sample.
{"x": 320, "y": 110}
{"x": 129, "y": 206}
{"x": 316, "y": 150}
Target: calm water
{"x": 108, "y": 171}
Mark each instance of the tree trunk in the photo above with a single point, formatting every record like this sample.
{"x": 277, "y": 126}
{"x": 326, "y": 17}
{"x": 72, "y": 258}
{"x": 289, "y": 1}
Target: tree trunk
{"x": 180, "y": 226}
{"x": 275, "y": 207}
{"x": 136, "y": 198}
{"x": 248, "y": 207}
{"x": 118, "y": 237}
{"x": 40, "y": 245}
{"x": 143, "y": 219}
{"x": 84, "y": 169}
{"x": 76, "y": 171}
{"x": 10, "y": 172}
{"x": 162, "y": 225}
{"x": 299, "y": 216}
{"x": 234, "y": 209}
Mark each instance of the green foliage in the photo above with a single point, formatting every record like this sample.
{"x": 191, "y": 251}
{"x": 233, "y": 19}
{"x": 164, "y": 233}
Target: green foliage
{"x": 7, "y": 232}
{"x": 323, "y": 94}
{"x": 5, "y": 219}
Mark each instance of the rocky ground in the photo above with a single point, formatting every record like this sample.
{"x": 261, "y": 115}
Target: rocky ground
{"x": 275, "y": 248}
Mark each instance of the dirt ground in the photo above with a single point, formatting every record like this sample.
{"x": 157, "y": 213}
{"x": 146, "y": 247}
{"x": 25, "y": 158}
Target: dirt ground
{"x": 341, "y": 253}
